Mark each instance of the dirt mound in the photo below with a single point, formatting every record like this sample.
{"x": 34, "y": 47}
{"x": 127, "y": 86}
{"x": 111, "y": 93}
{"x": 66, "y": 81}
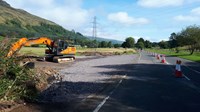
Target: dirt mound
{"x": 45, "y": 76}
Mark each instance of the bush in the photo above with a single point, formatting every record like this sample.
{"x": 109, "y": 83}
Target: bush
{"x": 16, "y": 82}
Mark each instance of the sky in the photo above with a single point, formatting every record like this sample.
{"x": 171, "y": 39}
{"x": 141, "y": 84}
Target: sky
{"x": 152, "y": 20}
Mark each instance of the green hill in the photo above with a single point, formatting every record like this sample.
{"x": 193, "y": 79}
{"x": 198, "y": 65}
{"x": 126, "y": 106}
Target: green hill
{"x": 17, "y": 23}
{"x": 8, "y": 14}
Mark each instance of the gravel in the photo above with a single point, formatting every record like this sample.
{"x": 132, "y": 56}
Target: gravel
{"x": 83, "y": 78}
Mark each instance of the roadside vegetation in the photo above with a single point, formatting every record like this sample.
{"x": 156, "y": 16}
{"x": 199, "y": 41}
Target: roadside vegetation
{"x": 182, "y": 53}
{"x": 16, "y": 82}
{"x": 184, "y": 44}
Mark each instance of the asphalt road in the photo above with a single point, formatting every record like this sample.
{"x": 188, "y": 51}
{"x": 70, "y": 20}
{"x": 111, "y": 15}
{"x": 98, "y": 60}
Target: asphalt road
{"x": 139, "y": 83}
{"x": 150, "y": 86}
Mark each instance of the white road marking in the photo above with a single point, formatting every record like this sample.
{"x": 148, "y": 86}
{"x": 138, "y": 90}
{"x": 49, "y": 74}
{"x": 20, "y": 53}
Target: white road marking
{"x": 106, "y": 98}
{"x": 186, "y": 77}
{"x": 101, "y": 104}
{"x": 192, "y": 69}
{"x": 168, "y": 63}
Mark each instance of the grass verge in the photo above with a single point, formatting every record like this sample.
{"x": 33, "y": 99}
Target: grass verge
{"x": 182, "y": 54}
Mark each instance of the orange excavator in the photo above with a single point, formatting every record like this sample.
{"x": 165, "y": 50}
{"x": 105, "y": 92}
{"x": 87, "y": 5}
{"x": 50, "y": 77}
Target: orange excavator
{"x": 58, "y": 51}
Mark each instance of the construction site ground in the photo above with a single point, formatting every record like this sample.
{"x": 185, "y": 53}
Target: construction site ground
{"x": 50, "y": 69}
{"x": 121, "y": 83}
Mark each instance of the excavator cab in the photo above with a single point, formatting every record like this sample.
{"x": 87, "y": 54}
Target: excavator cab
{"x": 56, "y": 48}
{"x": 62, "y": 45}
{"x": 59, "y": 51}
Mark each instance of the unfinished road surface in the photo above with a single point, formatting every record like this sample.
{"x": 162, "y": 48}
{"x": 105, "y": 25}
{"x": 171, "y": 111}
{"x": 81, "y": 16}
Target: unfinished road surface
{"x": 126, "y": 83}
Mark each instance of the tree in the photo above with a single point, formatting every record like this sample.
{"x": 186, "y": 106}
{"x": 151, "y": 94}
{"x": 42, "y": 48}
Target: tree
{"x": 155, "y": 44}
{"x": 190, "y": 37}
{"x": 140, "y": 40}
{"x": 173, "y": 40}
{"x": 163, "y": 44}
{"x": 109, "y": 44}
{"x": 103, "y": 44}
{"x": 140, "y": 45}
{"x": 129, "y": 43}
{"x": 117, "y": 45}
{"x": 124, "y": 44}
{"x": 147, "y": 44}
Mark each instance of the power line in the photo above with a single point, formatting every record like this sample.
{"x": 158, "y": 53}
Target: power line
{"x": 94, "y": 33}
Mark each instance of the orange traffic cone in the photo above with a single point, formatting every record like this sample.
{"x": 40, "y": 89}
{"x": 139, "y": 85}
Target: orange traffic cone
{"x": 178, "y": 72}
{"x": 158, "y": 56}
{"x": 163, "y": 59}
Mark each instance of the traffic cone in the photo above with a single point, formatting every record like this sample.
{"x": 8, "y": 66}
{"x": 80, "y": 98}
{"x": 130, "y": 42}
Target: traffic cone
{"x": 178, "y": 72}
{"x": 163, "y": 59}
{"x": 158, "y": 56}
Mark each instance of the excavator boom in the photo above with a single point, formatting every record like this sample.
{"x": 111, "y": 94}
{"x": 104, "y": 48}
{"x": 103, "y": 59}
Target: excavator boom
{"x": 16, "y": 46}
{"x": 28, "y": 42}
{"x": 41, "y": 40}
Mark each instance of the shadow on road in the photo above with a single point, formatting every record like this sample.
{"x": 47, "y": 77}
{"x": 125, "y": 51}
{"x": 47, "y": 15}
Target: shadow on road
{"x": 147, "y": 87}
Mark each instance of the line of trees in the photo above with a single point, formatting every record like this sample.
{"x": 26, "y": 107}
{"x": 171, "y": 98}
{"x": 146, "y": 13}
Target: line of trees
{"x": 140, "y": 44}
{"x": 189, "y": 37}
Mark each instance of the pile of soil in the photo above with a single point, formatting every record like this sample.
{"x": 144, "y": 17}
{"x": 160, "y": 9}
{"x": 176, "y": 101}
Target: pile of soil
{"x": 45, "y": 76}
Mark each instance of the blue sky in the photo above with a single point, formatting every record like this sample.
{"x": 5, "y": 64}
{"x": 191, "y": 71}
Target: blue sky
{"x": 152, "y": 20}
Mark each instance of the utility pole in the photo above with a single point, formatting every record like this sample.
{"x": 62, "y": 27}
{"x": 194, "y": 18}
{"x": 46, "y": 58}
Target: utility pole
{"x": 94, "y": 33}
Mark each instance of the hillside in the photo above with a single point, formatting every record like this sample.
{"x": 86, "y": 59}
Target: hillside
{"x": 17, "y": 23}
{"x": 8, "y": 14}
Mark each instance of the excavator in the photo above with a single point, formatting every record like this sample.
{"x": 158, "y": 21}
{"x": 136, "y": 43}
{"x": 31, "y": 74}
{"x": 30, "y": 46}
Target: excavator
{"x": 58, "y": 50}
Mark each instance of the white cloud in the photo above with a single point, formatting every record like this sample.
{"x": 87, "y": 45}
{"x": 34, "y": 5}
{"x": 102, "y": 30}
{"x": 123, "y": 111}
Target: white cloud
{"x": 67, "y": 13}
{"x": 124, "y": 19}
{"x": 192, "y": 17}
{"x": 192, "y": 1}
{"x": 196, "y": 11}
{"x": 159, "y": 3}
{"x": 186, "y": 18}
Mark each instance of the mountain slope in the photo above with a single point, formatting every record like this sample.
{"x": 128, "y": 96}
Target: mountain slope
{"x": 8, "y": 13}
{"x": 17, "y": 23}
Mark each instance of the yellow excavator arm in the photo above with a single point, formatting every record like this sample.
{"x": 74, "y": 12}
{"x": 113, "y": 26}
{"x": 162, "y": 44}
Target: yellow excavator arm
{"x": 28, "y": 42}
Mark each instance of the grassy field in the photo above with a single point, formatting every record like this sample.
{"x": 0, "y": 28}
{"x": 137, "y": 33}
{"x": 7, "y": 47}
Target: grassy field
{"x": 41, "y": 51}
{"x": 181, "y": 54}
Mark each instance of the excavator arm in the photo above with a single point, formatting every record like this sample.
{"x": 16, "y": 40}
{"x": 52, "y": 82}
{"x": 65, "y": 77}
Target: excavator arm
{"x": 28, "y": 42}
